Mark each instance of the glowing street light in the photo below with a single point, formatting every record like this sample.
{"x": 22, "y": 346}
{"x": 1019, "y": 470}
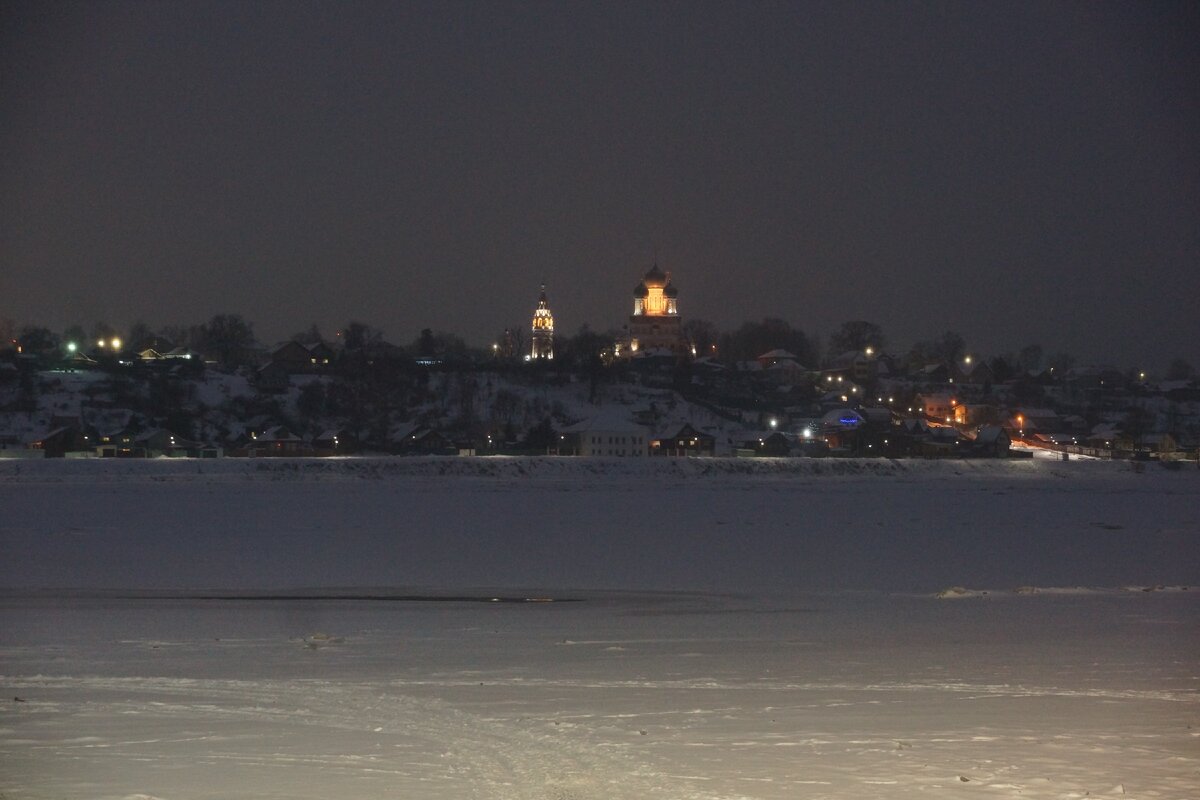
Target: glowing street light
{"x": 116, "y": 343}
{"x": 70, "y": 347}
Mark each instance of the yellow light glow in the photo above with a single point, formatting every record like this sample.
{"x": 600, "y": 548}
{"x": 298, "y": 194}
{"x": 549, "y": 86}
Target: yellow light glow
{"x": 655, "y": 304}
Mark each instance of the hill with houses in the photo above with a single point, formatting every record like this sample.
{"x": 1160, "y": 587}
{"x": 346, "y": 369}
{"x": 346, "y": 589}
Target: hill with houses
{"x": 326, "y": 399}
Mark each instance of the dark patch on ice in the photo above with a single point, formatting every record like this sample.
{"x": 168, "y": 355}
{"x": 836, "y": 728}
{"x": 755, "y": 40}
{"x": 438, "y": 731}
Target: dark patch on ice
{"x": 682, "y": 612}
{"x": 385, "y": 598}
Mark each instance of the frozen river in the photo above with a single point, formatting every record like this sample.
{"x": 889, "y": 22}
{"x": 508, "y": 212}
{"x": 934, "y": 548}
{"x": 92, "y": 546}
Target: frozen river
{"x": 714, "y": 636}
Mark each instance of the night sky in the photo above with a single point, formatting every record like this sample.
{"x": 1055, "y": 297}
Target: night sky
{"x": 1018, "y": 172}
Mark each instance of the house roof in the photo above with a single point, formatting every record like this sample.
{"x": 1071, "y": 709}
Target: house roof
{"x": 401, "y": 431}
{"x": 278, "y": 433}
{"x": 990, "y": 434}
{"x": 842, "y": 418}
{"x": 687, "y": 431}
{"x": 609, "y": 420}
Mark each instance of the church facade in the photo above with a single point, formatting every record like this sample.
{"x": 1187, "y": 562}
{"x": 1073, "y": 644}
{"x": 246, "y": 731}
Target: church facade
{"x": 655, "y": 325}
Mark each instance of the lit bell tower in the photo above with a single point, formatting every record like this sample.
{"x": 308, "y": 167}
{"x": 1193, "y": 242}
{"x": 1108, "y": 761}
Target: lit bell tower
{"x": 542, "y": 330}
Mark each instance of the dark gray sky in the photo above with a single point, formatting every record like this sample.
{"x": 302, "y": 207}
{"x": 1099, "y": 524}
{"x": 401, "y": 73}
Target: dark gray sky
{"x": 1019, "y": 172}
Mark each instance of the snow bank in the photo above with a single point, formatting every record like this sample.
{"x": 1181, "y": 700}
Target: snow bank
{"x": 504, "y": 467}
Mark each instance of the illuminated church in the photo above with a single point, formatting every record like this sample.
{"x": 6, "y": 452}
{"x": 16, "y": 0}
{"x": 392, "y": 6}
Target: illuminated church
{"x": 542, "y": 330}
{"x": 655, "y": 323}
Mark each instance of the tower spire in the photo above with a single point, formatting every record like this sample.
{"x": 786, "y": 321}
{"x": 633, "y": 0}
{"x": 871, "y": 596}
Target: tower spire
{"x": 542, "y": 329}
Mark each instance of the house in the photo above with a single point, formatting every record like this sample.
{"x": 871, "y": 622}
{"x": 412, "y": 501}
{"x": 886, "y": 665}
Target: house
{"x": 785, "y": 372}
{"x": 277, "y": 442}
{"x": 58, "y": 442}
{"x": 296, "y": 358}
{"x": 182, "y": 354}
{"x": 272, "y": 377}
{"x": 417, "y": 439}
{"x": 1104, "y": 436}
{"x": 80, "y": 360}
{"x": 153, "y": 344}
{"x": 971, "y": 415}
{"x": 776, "y": 356}
{"x": 606, "y": 434}
{"x": 335, "y": 442}
{"x": 854, "y": 365}
{"x": 973, "y": 372}
{"x": 938, "y": 407}
{"x": 321, "y": 355}
{"x": 933, "y": 374}
{"x": 765, "y": 443}
{"x": 1157, "y": 443}
{"x": 992, "y": 441}
{"x": 839, "y": 428}
{"x": 686, "y": 441}
{"x": 1034, "y": 420}
{"x": 835, "y": 387}
{"x": 930, "y": 440}
{"x": 153, "y": 443}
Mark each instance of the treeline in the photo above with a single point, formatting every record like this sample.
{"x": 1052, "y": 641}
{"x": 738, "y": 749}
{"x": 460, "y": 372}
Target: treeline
{"x": 230, "y": 340}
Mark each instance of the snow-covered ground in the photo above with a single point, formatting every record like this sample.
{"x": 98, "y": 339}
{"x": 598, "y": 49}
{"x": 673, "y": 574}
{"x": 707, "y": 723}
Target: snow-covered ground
{"x": 722, "y": 629}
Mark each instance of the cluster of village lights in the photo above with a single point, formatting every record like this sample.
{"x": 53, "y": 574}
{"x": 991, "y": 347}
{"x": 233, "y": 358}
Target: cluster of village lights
{"x": 113, "y": 344}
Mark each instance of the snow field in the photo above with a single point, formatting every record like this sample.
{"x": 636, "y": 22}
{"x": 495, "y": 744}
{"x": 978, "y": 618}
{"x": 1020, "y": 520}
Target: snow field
{"x": 735, "y": 635}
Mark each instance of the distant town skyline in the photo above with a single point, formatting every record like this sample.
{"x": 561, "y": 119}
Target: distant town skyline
{"x": 1024, "y": 173}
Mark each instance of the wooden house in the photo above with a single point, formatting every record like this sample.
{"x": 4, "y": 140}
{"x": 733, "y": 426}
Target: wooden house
{"x": 686, "y": 441}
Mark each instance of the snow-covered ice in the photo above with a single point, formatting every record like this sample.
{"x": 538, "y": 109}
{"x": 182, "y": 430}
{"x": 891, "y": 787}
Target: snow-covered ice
{"x": 778, "y": 630}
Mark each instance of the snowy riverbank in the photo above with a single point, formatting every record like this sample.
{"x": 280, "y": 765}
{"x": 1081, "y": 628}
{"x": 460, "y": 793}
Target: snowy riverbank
{"x": 237, "y": 469}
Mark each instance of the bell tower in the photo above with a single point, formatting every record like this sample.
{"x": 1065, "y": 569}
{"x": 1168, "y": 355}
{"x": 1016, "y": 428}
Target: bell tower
{"x": 542, "y": 330}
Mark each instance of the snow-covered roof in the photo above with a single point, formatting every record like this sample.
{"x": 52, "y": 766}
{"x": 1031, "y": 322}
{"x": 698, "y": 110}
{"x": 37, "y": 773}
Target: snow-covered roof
{"x": 402, "y": 430}
{"x": 278, "y": 433}
{"x": 842, "y": 418}
{"x": 609, "y": 420}
{"x": 989, "y": 434}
